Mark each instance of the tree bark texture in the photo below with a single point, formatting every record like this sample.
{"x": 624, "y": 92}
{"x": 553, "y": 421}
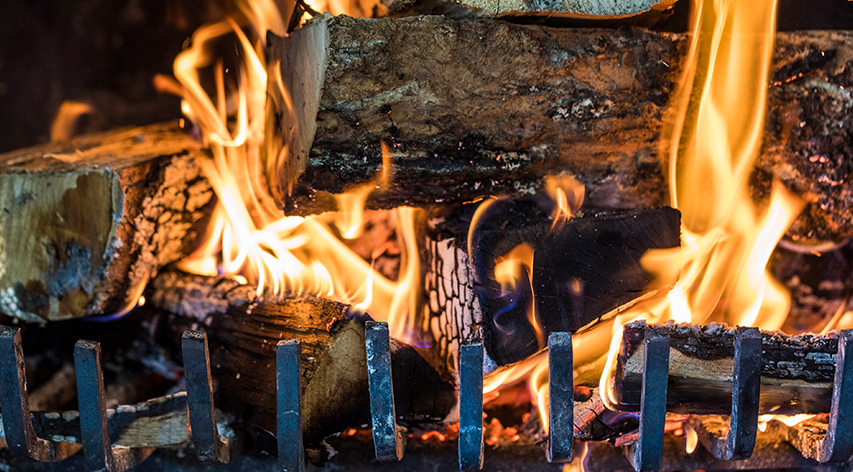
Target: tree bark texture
{"x": 480, "y": 106}
{"x": 86, "y": 223}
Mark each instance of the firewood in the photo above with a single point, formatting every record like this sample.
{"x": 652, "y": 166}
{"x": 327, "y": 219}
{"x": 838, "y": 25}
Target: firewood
{"x": 243, "y": 335}
{"x": 86, "y": 223}
{"x": 582, "y": 270}
{"x": 561, "y": 12}
{"x": 157, "y": 422}
{"x": 472, "y": 107}
{"x": 797, "y": 376}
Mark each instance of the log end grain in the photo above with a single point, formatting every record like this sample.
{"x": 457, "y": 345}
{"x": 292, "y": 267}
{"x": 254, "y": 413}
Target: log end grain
{"x": 85, "y": 223}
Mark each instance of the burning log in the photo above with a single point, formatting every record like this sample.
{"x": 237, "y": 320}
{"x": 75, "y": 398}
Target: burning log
{"x": 580, "y": 271}
{"x": 243, "y": 336}
{"x": 587, "y": 102}
{"x": 86, "y": 223}
{"x": 797, "y": 375}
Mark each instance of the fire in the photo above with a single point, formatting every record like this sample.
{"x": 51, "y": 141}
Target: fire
{"x": 249, "y": 239}
{"x": 713, "y": 139}
{"x": 715, "y": 135}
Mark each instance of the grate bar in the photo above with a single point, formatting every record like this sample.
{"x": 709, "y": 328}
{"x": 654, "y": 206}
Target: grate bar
{"x": 646, "y": 454}
{"x": 94, "y": 429}
{"x": 561, "y": 397}
{"x": 387, "y": 436}
{"x": 838, "y": 442}
{"x": 209, "y": 445}
{"x": 471, "y": 406}
{"x": 288, "y": 363}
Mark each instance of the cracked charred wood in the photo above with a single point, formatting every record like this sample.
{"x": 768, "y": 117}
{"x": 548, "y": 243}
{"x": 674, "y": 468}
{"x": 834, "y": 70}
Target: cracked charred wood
{"x": 573, "y": 273}
{"x": 587, "y": 102}
{"x": 244, "y": 332}
{"x": 86, "y": 223}
{"x": 797, "y": 375}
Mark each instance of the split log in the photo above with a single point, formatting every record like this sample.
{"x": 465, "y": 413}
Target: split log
{"x": 86, "y": 223}
{"x": 581, "y": 270}
{"x": 797, "y": 375}
{"x": 243, "y": 335}
{"x": 547, "y": 100}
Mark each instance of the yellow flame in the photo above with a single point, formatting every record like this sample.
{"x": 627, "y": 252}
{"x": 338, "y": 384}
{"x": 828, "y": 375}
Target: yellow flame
{"x": 249, "y": 239}
{"x": 691, "y": 439}
{"x": 568, "y": 193}
{"x": 714, "y": 136}
{"x": 788, "y": 421}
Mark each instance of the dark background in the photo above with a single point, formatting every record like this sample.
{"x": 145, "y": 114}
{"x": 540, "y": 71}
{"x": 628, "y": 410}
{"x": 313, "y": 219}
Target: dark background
{"x": 105, "y": 53}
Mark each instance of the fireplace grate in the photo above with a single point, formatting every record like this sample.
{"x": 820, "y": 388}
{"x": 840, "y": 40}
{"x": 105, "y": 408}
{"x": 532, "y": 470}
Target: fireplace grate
{"x": 215, "y": 442}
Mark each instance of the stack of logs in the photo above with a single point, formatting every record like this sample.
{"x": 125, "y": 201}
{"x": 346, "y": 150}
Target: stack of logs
{"x": 87, "y": 225}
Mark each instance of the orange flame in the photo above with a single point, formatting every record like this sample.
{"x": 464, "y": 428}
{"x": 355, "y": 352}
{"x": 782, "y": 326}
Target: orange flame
{"x": 713, "y": 140}
{"x": 249, "y": 239}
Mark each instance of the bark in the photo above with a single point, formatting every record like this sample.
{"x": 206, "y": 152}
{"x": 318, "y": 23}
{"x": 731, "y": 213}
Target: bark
{"x": 243, "y": 335}
{"x": 551, "y": 12}
{"x": 86, "y": 223}
{"x": 797, "y": 375}
{"x": 546, "y": 100}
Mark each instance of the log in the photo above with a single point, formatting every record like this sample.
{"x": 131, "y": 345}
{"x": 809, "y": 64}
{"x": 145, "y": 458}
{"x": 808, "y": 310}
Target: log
{"x": 603, "y": 14}
{"x": 582, "y": 270}
{"x": 86, "y": 223}
{"x": 582, "y": 101}
{"x": 797, "y": 375}
{"x": 243, "y": 335}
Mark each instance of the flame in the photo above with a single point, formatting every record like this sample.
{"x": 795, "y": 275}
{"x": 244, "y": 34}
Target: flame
{"x": 714, "y": 136}
{"x": 249, "y": 239}
{"x": 568, "y": 193}
{"x": 789, "y": 421}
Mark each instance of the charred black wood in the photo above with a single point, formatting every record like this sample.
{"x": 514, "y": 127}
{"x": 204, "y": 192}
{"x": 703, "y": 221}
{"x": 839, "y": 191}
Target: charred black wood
{"x": 581, "y": 270}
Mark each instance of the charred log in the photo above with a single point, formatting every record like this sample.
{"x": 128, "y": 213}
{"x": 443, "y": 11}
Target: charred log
{"x": 582, "y": 269}
{"x": 86, "y": 223}
{"x": 587, "y": 102}
{"x": 797, "y": 375}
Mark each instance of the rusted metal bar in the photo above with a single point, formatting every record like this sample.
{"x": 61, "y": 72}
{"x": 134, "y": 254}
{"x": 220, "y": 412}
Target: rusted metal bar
{"x": 288, "y": 364}
{"x": 209, "y": 445}
{"x": 471, "y": 406}
{"x": 561, "y": 400}
{"x": 387, "y": 436}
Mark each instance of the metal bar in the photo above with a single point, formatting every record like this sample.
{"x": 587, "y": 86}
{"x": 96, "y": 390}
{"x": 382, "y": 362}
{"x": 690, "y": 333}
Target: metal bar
{"x": 387, "y": 436}
{"x": 746, "y": 388}
{"x": 560, "y": 397}
{"x": 208, "y": 444}
{"x": 288, "y": 378}
{"x": 94, "y": 429}
{"x": 839, "y": 434}
{"x": 647, "y": 453}
{"x": 471, "y": 406}
{"x": 20, "y": 436}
